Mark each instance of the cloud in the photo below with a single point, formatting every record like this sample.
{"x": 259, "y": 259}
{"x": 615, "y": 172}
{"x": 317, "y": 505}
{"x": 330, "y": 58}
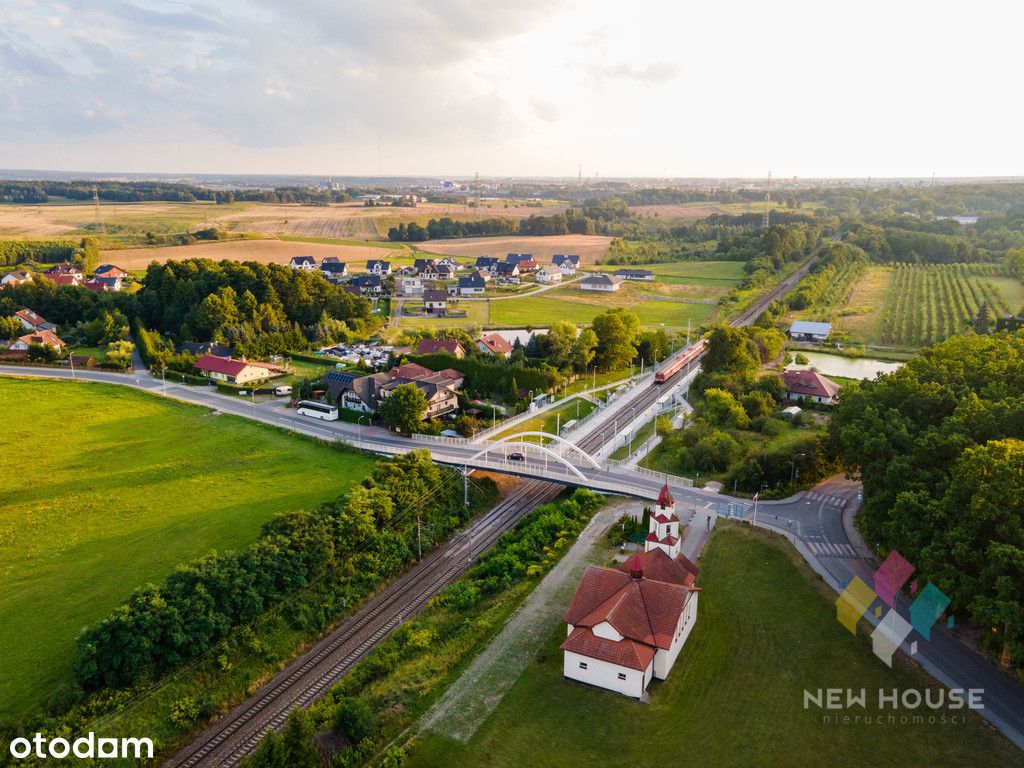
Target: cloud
{"x": 654, "y": 73}
{"x": 545, "y": 110}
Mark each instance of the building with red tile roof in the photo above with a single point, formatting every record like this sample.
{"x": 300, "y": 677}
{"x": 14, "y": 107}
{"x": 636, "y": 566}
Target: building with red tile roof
{"x": 47, "y": 338}
{"x": 626, "y": 627}
{"x": 810, "y": 385}
{"x": 234, "y": 371}
{"x": 433, "y": 346}
{"x": 494, "y": 344}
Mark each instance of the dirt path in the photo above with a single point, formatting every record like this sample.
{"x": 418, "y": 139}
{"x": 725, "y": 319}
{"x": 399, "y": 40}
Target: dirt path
{"x": 472, "y": 698}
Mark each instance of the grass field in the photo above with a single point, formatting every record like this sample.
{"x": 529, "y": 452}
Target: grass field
{"x": 578, "y": 306}
{"x": 588, "y": 247}
{"x": 721, "y": 274}
{"x": 861, "y": 318}
{"x": 766, "y": 632}
{"x": 106, "y": 489}
{"x": 551, "y": 421}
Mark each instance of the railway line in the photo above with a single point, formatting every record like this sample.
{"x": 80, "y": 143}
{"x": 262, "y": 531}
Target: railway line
{"x": 236, "y": 734}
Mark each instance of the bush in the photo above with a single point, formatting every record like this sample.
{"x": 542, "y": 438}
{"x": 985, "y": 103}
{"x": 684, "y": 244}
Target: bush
{"x": 354, "y": 719}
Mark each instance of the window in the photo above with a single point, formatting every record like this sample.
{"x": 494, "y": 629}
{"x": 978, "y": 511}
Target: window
{"x": 622, "y": 675}
{"x": 583, "y": 665}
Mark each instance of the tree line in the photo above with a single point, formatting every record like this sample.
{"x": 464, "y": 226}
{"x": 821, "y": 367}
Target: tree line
{"x": 351, "y": 545}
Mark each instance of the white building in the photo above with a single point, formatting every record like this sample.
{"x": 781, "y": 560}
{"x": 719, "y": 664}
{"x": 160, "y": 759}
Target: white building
{"x": 664, "y": 525}
{"x": 409, "y": 286}
{"x": 805, "y": 330}
{"x": 626, "y": 626}
{"x": 550, "y": 274}
{"x": 306, "y": 263}
{"x": 601, "y": 282}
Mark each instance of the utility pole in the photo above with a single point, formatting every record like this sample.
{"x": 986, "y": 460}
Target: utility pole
{"x": 419, "y": 540}
{"x": 465, "y": 486}
{"x": 767, "y": 202}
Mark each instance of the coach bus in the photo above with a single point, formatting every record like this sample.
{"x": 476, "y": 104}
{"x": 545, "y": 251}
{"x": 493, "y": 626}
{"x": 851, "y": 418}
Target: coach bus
{"x": 314, "y": 410}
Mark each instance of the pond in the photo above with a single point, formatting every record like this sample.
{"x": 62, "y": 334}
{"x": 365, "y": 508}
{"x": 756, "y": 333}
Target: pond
{"x": 847, "y": 367}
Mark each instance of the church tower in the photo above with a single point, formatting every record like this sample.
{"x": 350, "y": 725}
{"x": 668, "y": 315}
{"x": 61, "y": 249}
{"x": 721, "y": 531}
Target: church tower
{"x": 664, "y": 525}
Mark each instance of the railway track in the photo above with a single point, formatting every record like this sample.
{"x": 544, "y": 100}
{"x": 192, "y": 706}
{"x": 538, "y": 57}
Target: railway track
{"x": 236, "y": 734}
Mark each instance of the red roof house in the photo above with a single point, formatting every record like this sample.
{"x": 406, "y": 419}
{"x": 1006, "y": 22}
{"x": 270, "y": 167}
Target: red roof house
{"x": 494, "y": 344}
{"x": 234, "y": 371}
{"x": 810, "y": 385}
{"x": 433, "y": 346}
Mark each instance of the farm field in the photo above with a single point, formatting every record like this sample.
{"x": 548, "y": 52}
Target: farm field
{"x": 118, "y": 219}
{"x": 765, "y": 633}
{"x": 928, "y": 303}
{"x": 262, "y": 251}
{"x": 578, "y": 306}
{"x": 588, "y": 247}
{"x": 116, "y": 497}
{"x": 725, "y": 274}
{"x": 682, "y": 211}
{"x": 862, "y": 316}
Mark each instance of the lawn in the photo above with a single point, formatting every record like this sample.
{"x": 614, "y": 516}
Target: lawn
{"x": 861, "y": 318}
{"x": 766, "y": 632}
{"x": 581, "y": 307}
{"x": 644, "y": 432}
{"x": 550, "y": 421}
{"x": 724, "y": 273}
{"x": 106, "y": 489}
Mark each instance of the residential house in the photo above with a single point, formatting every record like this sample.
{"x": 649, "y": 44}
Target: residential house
{"x": 67, "y": 279}
{"x": 449, "y": 262}
{"x": 486, "y": 264}
{"x": 444, "y": 272}
{"x": 46, "y": 337}
{"x": 406, "y": 271}
{"x": 635, "y": 274}
{"x": 435, "y": 300}
{"x": 627, "y": 625}
{"x": 448, "y": 377}
{"x": 17, "y": 277}
{"x": 378, "y": 267}
{"x": 409, "y": 286}
{"x": 368, "y": 285}
{"x": 804, "y": 330}
{"x": 333, "y": 270}
{"x": 364, "y": 393}
{"x": 109, "y": 270}
{"x": 601, "y": 282}
{"x": 235, "y": 371}
{"x": 354, "y": 392}
{"x": 331, "y": 260}
{"x": 809, "y": 385}
{"x": 494, "y": 344}
{"x": 306, "y": 263}
{"x": 515, "y": 258}
{"x": 568, "y": 264}
{"x": 66, "y": 268}
{"x": 473, "y": 285}
{"x": 507, "y": 272}
{"x": 527, "y": 266}
{"x": 549, "y": 274}
{"x": 440, "y": 400}
{"x": 103, "y": 284}
{"x": 434, "y": 346}
{"x": 33, "y": 321}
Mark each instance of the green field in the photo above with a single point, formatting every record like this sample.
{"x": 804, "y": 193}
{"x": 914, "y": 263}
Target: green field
{"x": 690, "y": 272}
{"x": 766, "y": 632}
{"x": 550, "y": 421}
{"x": 106, "y": 489}
{"x": 581, "y": 307}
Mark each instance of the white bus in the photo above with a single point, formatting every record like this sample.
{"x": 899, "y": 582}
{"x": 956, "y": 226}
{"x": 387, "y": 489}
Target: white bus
{"x": 323, "y": 411}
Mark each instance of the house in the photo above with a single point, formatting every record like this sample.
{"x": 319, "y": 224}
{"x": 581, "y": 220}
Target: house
{"x": 434, "y": 346}
{"x": 440, "y": 400}
{"x": 109, "y": 270}
{"x": 627, "y": 626}
{"x": 306, "y": 263}
{"x": 368, "y": 285}
{"x": 331, "y": 260}
{"x": 527, "y": 265}
{"x": 33, "y": 321}
{"x": 515, "y": 258}
{"x": 449, "y": 262}
{"x": 449, "y": 377}
{"x": 103, "y": 284}
{"x": 444, "y": 272}
{"x": 601, "y": 282}
{"x": 234, "y": 371}
{"x": 484, "y": 275}
{"x": 60, "y": 280}
{"x": 549, "y": 274}
{"x": 406, "y": 271}
{"x": 45, "y": 337}
{"x": 435, "y": 300}
{"x": 567, "y": 264}
{"x": 494, "y": 344}
{"x": 333, "y": 270}
{"x": 429, "y": 271}
{"x": 64, "y": 269}
{"x": 473, "y": 285}
{"x": 635, "y": 274}
{"x": 355, "y": 392}
{"x": 809, "y": 385}
{"x": 378, "y": 267}
{"x": 409, "y": 286}
{"x": 506, "y": 270}
{"x": 804, "y": 330}
{"x": 486, "y": 264}
{"x": 17, "y": 277}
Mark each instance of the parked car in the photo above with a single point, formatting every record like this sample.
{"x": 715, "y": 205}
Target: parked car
{"x": 284, "y": 389}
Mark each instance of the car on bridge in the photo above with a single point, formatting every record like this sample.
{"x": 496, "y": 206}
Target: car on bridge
{"x": 516, "y": 457}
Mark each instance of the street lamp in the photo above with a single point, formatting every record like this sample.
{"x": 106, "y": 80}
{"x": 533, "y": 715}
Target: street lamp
{"x": 792, "y": 470}
{"x": 359, "y": 427}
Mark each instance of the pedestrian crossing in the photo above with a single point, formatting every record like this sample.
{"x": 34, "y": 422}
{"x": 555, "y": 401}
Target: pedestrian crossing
{"x": 826, "y": 549}
{"x": 828, "y": 498}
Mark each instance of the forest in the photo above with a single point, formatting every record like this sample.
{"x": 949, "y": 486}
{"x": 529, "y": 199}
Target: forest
{"x": 938, "y": 446}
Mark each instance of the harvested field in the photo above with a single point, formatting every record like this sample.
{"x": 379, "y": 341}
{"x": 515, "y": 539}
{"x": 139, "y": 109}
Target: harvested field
{"x": 262, "y": 251}
{"x": 136, "y": 218}
{"x": 589, "y": 247}
{"x": 690, "y": 212}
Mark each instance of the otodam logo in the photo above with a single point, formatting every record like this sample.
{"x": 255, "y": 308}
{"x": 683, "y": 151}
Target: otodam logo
{"x": 857, "y": 598}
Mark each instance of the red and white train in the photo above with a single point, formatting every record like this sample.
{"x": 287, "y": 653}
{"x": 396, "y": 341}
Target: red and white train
{"x": 689, "y": 355}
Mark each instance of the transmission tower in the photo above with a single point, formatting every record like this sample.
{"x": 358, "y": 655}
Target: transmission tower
{"x": 96, "y": 207}
{"x": 767, "y": 202}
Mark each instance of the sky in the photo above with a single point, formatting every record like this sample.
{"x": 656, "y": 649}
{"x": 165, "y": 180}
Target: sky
{"x": 532, "y": 88}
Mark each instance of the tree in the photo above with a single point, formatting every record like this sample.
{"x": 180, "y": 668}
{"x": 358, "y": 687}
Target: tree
{"x": 119, "y": 354}
{"x": 983, "y": 322}
{"x": 617, "y": 333}
{"x": 720, "y": 408}
{"x": 41, "y": 353}
{"x": 89, "y": 255}
{"x": 652, "y": 346}
{"x": 354, "y": 719}
{"x": 583, "y": 350}
{"x": 558, "y": 343}
{"x": 297, "y": 740}
{"x": 11, "y": 328}
{"x": 404, "y": 408}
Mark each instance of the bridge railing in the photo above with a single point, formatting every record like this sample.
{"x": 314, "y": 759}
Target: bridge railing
{"x": 622, "y": 466}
